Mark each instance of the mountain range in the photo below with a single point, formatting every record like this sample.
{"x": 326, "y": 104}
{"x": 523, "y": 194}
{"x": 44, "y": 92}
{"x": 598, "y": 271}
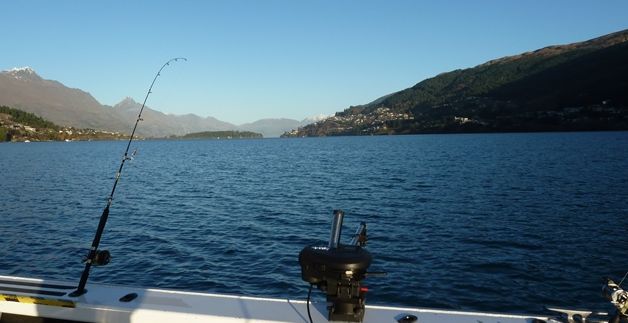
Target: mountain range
{"x": 24, "y": 89}
{"x": 579, "y": 86}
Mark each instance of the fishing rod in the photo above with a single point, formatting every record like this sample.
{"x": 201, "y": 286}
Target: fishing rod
{"x": 102, "y": 257}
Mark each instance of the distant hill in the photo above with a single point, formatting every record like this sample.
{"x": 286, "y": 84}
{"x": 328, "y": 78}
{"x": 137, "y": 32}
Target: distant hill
{"x": 276, "y": 127}
{"x": 271, "y": 127}
{"x": 158, "y": 124}
{"x": 580, "y": 86}
{"x": 24, "y": 89}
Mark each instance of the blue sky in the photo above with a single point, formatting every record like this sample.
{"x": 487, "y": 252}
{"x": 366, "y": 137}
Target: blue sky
{"x": 249, "y": 60}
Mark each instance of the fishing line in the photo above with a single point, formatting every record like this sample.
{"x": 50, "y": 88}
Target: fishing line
{"x": 96, "y": 257}
{"x": 622, "y": 280}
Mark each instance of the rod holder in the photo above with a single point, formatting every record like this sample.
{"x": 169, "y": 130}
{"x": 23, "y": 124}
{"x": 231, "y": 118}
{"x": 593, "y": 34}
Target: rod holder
{"x": 336, "y": 229}
{"x": 359, "y": 238}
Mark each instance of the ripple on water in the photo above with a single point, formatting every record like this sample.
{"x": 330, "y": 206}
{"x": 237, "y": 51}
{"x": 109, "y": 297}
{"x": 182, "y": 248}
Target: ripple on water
{"x": 500, "y": 222}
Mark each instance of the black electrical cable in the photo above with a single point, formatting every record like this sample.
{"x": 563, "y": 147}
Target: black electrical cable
{"x": 309, "y": 293}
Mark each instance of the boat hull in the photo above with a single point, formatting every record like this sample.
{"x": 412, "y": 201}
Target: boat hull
{"x": 49, "y": 299}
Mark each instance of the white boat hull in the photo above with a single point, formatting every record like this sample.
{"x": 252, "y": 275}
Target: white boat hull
{"x": 49, "y": 299}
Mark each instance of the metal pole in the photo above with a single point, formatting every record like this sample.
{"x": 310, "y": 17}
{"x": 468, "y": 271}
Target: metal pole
{"x": 336, "y": 229}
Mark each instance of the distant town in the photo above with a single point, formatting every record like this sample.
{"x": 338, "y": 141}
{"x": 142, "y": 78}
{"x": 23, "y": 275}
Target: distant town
{"x": 370, "y": 123}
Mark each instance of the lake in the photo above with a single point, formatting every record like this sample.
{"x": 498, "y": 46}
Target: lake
{"x": 490, "y": 222}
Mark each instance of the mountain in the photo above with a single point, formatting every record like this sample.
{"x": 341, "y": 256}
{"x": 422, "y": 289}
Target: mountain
{"x": 580, "y": 86}
{"x": 23, "y": 89}
{"x": 158, "y": 124}
{"x": 270, "y": 127}
{"x": 276, "y": 127}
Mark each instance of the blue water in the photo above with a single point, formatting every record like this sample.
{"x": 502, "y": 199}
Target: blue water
{"x": 492, "y": 222}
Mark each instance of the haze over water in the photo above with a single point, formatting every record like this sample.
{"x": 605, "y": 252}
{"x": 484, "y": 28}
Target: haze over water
{"x": 490, "y": 222}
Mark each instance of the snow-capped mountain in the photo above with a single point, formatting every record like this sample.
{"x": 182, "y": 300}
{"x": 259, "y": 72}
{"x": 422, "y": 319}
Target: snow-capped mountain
{"x": 314, "y": 118}
{"x": 23, "y": 73}
{"x": 22, "y": 88}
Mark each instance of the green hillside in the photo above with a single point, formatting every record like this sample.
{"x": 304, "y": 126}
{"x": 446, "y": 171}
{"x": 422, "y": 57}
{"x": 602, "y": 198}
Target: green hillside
{"x": 18, "y": 125}
{"x": 27, "y": 118}
{"x": 581, "y": 86}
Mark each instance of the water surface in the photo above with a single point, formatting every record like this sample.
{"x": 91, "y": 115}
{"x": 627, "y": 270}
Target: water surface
{"x": 491, "y": 222}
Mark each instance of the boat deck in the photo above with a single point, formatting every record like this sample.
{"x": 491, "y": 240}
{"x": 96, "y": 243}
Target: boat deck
{"x": 49, "y": 299}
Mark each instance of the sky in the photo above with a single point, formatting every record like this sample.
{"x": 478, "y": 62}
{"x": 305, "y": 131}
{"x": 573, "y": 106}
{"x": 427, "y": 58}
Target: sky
{"x": 255, "y": 59}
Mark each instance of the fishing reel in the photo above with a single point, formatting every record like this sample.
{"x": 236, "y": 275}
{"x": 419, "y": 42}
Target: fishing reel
{"x": 612, "y": 292}
{"x": 98, "y": 257}
{"x": 619, "y": 298}
{"x": 338, "y": 270}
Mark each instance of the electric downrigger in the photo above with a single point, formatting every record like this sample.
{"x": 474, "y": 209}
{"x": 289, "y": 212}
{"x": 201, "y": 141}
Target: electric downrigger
{"x": 338, "y": 270}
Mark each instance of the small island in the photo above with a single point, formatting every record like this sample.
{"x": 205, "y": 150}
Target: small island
{"x": 227, "y": 134}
